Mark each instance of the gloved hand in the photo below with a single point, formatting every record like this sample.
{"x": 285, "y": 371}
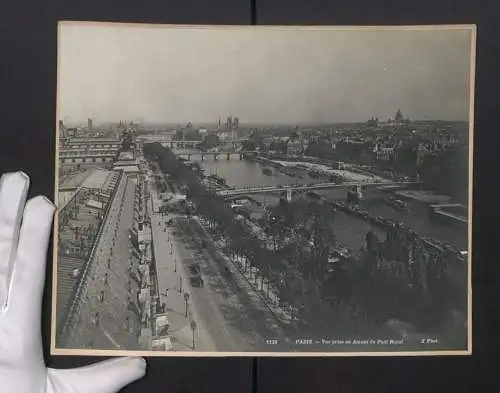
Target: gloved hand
{"x": 24, "y": 236}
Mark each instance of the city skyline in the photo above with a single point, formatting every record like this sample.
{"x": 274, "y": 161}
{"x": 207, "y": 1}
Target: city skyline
{"x": 208, "y": 123}
{"x": 180, "y": 75}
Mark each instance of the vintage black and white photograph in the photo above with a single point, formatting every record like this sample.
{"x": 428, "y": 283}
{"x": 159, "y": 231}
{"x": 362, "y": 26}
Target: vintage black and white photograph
{"x": 246, "y": 190}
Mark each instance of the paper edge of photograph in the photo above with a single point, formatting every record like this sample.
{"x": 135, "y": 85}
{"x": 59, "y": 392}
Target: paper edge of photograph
{"x": 54, "y": 350}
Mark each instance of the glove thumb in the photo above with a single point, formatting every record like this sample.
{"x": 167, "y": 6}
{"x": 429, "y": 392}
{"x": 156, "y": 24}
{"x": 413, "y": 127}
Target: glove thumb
{"x": 108, "y": 376}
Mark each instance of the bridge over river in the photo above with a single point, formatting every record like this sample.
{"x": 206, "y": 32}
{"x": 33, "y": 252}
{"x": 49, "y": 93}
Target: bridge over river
{"x": 290, "y": 189}
{"x": 241, "y": 154}
{"x": 195, "y": 144}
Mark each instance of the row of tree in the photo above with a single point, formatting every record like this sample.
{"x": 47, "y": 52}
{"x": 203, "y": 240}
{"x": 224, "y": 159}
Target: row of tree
{"x": 447, "y": 172}
{"x": 404, "y": 278}
{"x": 401, "y": 277}
{"x": 273, "y": 265}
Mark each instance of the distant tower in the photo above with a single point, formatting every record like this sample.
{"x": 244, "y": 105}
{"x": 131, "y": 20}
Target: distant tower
{"x": 89, "y": 123}
{"x": 236, "y": 122}
{"x": 219, "y": 123}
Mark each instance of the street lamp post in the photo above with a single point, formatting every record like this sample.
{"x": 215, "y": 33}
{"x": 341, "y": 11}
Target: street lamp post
{"x": 186, "y": 298}
{"x": 193, "y": 328}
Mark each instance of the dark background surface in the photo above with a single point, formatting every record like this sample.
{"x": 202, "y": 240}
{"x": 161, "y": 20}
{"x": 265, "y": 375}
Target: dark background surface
{"x": 28, "y": 50}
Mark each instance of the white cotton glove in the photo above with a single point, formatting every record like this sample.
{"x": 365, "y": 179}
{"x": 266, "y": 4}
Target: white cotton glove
{"x": 24, "y": 237}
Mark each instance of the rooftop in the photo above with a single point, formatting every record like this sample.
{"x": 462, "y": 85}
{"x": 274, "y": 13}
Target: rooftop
{"x": 109, "y": 314}
{"x": 126, "y": 163}
{"x": 74, "y": 179}
{"x": 126, "y": 155}
{"x": 93, "y": 140}
{"x": 76, "y": 239}
{"x": 129, "y": 169}
{"x": 100, "y": 178}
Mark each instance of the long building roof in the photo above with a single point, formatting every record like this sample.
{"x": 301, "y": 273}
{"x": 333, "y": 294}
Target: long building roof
{"x": 92, "y": 140}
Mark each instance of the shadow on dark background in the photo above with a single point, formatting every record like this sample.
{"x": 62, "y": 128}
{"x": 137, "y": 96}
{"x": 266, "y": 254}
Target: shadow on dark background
{"x": 28, "y": 49}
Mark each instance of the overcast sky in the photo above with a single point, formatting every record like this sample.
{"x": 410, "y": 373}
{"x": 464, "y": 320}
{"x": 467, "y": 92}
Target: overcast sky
{"x": 173, "y": 74}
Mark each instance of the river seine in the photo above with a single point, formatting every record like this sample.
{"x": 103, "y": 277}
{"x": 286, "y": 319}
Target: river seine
{"x": 349, "y": 231}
